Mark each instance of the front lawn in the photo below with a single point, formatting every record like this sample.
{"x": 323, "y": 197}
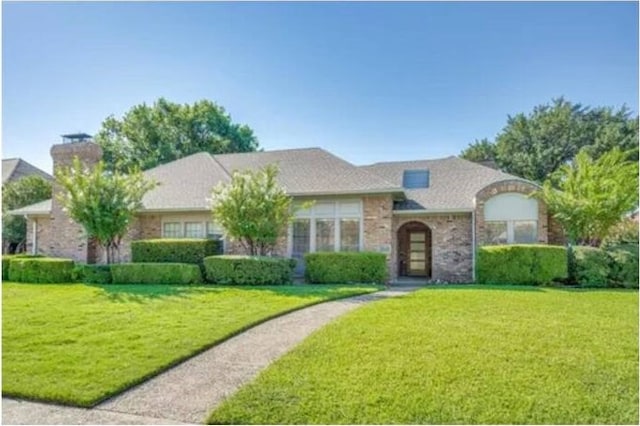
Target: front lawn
{"x": 471, "y": 355}
{"x": 79, "y": 344}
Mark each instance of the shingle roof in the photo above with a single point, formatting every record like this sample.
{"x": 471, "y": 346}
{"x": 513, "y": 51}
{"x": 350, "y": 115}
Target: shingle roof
{"x": 16, "y": 168}
{"x": 453, "y": 182}
{"x": 37, "y": 209}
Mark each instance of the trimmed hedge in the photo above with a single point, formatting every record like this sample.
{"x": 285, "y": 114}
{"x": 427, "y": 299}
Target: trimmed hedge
{"x": 41, "y": 270}
{"x": 182, "y": 250}
{"x": 345, "y": 267}
{"x": 155, "y": 273}
{"x": 525, "y": 264}
{"x": 6, "y": 261}
{"x": 93, "y": 274}
{"x": 249, "y": 270}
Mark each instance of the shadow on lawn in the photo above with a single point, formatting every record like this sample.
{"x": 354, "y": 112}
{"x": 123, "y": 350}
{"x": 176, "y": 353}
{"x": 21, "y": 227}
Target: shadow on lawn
{"x": 142, "y": 293}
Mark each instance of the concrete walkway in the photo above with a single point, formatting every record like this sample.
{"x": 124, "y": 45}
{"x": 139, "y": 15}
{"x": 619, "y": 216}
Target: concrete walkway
{"x": 188, "y": 392}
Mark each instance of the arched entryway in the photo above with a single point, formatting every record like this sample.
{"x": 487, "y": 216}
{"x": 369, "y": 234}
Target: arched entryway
{"x": 414, "y": 250}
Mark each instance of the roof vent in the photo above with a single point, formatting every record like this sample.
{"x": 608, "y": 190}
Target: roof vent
{"x": 413, "y": 179}
{"x": 76, "y": 137}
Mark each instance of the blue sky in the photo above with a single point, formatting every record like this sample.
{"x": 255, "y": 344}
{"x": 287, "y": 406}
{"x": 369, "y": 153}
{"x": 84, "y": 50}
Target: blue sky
{"x": 367, "y": 81}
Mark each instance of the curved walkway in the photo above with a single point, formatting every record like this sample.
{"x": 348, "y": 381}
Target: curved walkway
{"x": 188, "y": 392}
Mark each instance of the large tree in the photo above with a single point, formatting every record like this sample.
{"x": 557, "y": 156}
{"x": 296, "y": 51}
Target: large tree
{"x": 589, "y": 197}
{"x": 149, "y": 135}
{"x": 102, "y": 202}
{"x": 253, "y": 209}
{"x": 16, "y": 194}
{"x": 535, "y": 145}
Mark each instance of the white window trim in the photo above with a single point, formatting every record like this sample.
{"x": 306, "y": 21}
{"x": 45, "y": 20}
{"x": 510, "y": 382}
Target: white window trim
{"x": 511, "y": 228}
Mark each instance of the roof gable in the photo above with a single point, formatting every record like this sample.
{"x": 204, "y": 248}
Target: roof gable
{"x": 16, "y": 168}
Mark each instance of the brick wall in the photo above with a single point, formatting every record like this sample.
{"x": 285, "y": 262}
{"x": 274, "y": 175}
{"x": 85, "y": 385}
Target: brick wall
{"x": 451, "y": 242}
{"x": 501, "y": 188}
{"x": 377, "y": 214}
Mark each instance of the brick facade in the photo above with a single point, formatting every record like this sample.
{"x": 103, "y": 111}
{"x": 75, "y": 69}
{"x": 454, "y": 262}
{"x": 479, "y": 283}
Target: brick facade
{"x": 451, "y": 245}
{"x": 502, "y": 187}
{"x": 377, "y": 214}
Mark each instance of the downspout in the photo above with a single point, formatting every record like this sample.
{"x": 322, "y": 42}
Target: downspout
{"x": 34, "y": 238}
{"x": 473, "y": 245}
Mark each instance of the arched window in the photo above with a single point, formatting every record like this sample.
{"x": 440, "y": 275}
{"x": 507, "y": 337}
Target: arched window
{"x": 511, "y": 218}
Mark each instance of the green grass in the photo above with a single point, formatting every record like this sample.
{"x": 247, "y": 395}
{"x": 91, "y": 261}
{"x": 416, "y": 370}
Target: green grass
{"x": 79, "y": 344}
{"x": 459, "y": 355}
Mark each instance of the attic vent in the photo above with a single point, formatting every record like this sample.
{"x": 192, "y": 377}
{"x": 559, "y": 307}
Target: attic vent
{"x": 415, "y": 179}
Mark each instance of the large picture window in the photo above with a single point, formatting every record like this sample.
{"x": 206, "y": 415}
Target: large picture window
{"x": 349, "y": 234}
{"x": 511, "y": 218}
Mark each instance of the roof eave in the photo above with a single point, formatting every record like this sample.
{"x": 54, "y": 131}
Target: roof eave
{"x": 428, "y": 211}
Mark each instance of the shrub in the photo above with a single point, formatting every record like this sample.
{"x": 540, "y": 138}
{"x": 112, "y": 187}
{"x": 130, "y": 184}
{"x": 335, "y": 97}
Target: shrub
{"x": 41, "y": 270}
{"x": 249, "y": 270}
{"x": 521, "y": 264}
{"x": 6, "y": 261}
{"x": 345, "y": 267}
{"x": 591, "y": 267}
{"x": 625, "y": 232}
{"x": 623, "y": 266}
{"x": 155, "y": 273}
{"x": 183, "y": 250}
{"x": 93, "y": 274}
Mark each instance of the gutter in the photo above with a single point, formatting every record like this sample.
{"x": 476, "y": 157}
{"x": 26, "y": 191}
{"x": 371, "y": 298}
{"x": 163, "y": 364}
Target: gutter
{"x": 473, "y": 246}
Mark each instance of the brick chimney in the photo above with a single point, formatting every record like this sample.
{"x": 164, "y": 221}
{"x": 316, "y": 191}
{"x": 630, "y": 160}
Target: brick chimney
{"x": 69, "y": 239}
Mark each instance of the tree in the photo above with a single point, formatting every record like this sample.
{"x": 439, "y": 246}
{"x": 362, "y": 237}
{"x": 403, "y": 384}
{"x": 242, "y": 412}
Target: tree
{"x": 16, "y": 194}
{"x": 151, "y": 135}
{"x": 253, "y": 209}
{"x": 103, "y": 202}
{"x": 535, "y": 145}
{"x": 480, "y": 151}
{"x": 592, "y": 195}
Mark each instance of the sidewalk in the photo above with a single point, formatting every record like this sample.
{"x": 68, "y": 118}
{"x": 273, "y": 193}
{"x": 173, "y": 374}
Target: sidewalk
{"x": 188, "y": 392}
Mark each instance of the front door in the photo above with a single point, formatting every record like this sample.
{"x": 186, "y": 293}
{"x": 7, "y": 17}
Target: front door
{"x": 414, "y": 250}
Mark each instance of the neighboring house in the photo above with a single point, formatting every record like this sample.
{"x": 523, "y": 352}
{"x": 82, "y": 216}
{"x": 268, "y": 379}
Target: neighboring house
{"x": 427, "y": 216}
{"x": 15, "y": 168}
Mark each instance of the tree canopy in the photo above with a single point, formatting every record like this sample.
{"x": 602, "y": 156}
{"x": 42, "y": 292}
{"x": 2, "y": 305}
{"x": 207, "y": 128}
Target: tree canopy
{"x": 535, "y": 145}
{"x": 16, "y": 194}
{"x": 102, "y": 202}
{"x": 592, "y": 195}
{"x": 149, "y": 135}
{"x": 253, "y": 209}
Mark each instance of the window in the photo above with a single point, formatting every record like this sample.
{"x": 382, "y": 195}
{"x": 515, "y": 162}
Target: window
{"x": 301, "y": 237}
{"x": 325, "y": 231}
{"x": 525, "y": 231}
{"x": 415, "y": 179}
{"x": 349, "y": 234}
{"x": 193, "y": 230}
{"x": 214, "y": 231}
{"x": 172, "y": 230}
{"x": 496, "y": 232}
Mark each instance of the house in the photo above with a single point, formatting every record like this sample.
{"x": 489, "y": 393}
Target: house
{"x": 14, "y": 169}
{"x": 427, "y": 216}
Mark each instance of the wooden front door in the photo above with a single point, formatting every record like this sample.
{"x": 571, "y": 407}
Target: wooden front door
{"x": 414, "y": 242}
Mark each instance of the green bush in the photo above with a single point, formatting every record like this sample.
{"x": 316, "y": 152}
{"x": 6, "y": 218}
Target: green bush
{"x": 526, "y": 264}
{"x": 625, "y": 232}
{"x": 623, "y": 266}
{"x": 345, "y": 267}
{"x": 249, "y": 270}
{"x": 183, "y": 250}
{"x": 591, "y": 266}
{"x": 155, "y": 273}
{"x": 93, "y": 274}
{"x": 41, "y": 270}
{"x": 6, "y": 261}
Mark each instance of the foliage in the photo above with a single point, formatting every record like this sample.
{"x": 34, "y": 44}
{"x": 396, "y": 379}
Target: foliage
{"x": 78, "y": 344}
{"x": 248, "y": 270}
{"x": 537, "y": 144}
{"x": 104, "y": 203}
{"x": 624, "y": 232}
{"x": 591, "y": 266}
{"x": 6, "y": 262}
{"x": 20, "y": 193}
{"x": 521, "y": 264}
{"x": 40, "y": 270}
{"x": 155, "y": 273}
{"x": 93, "y": 274}
{"x": 147, "y": 136}
{"x": 345, "y": 267}
{"x": 179, "y": 250}
{"x": 592, "y": 195}
{"x": 458, "y": 355}
{"x": 623, "y": 266}
{"x": 253, "y": 209}
{"x": 480, "y": 151}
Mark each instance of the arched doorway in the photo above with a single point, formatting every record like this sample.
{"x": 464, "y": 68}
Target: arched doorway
{"x": 414, "y": 250}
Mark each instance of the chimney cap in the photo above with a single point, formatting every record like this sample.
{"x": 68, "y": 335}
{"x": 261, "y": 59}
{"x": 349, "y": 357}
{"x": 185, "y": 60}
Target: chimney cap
{"x": 76, "y": 137}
